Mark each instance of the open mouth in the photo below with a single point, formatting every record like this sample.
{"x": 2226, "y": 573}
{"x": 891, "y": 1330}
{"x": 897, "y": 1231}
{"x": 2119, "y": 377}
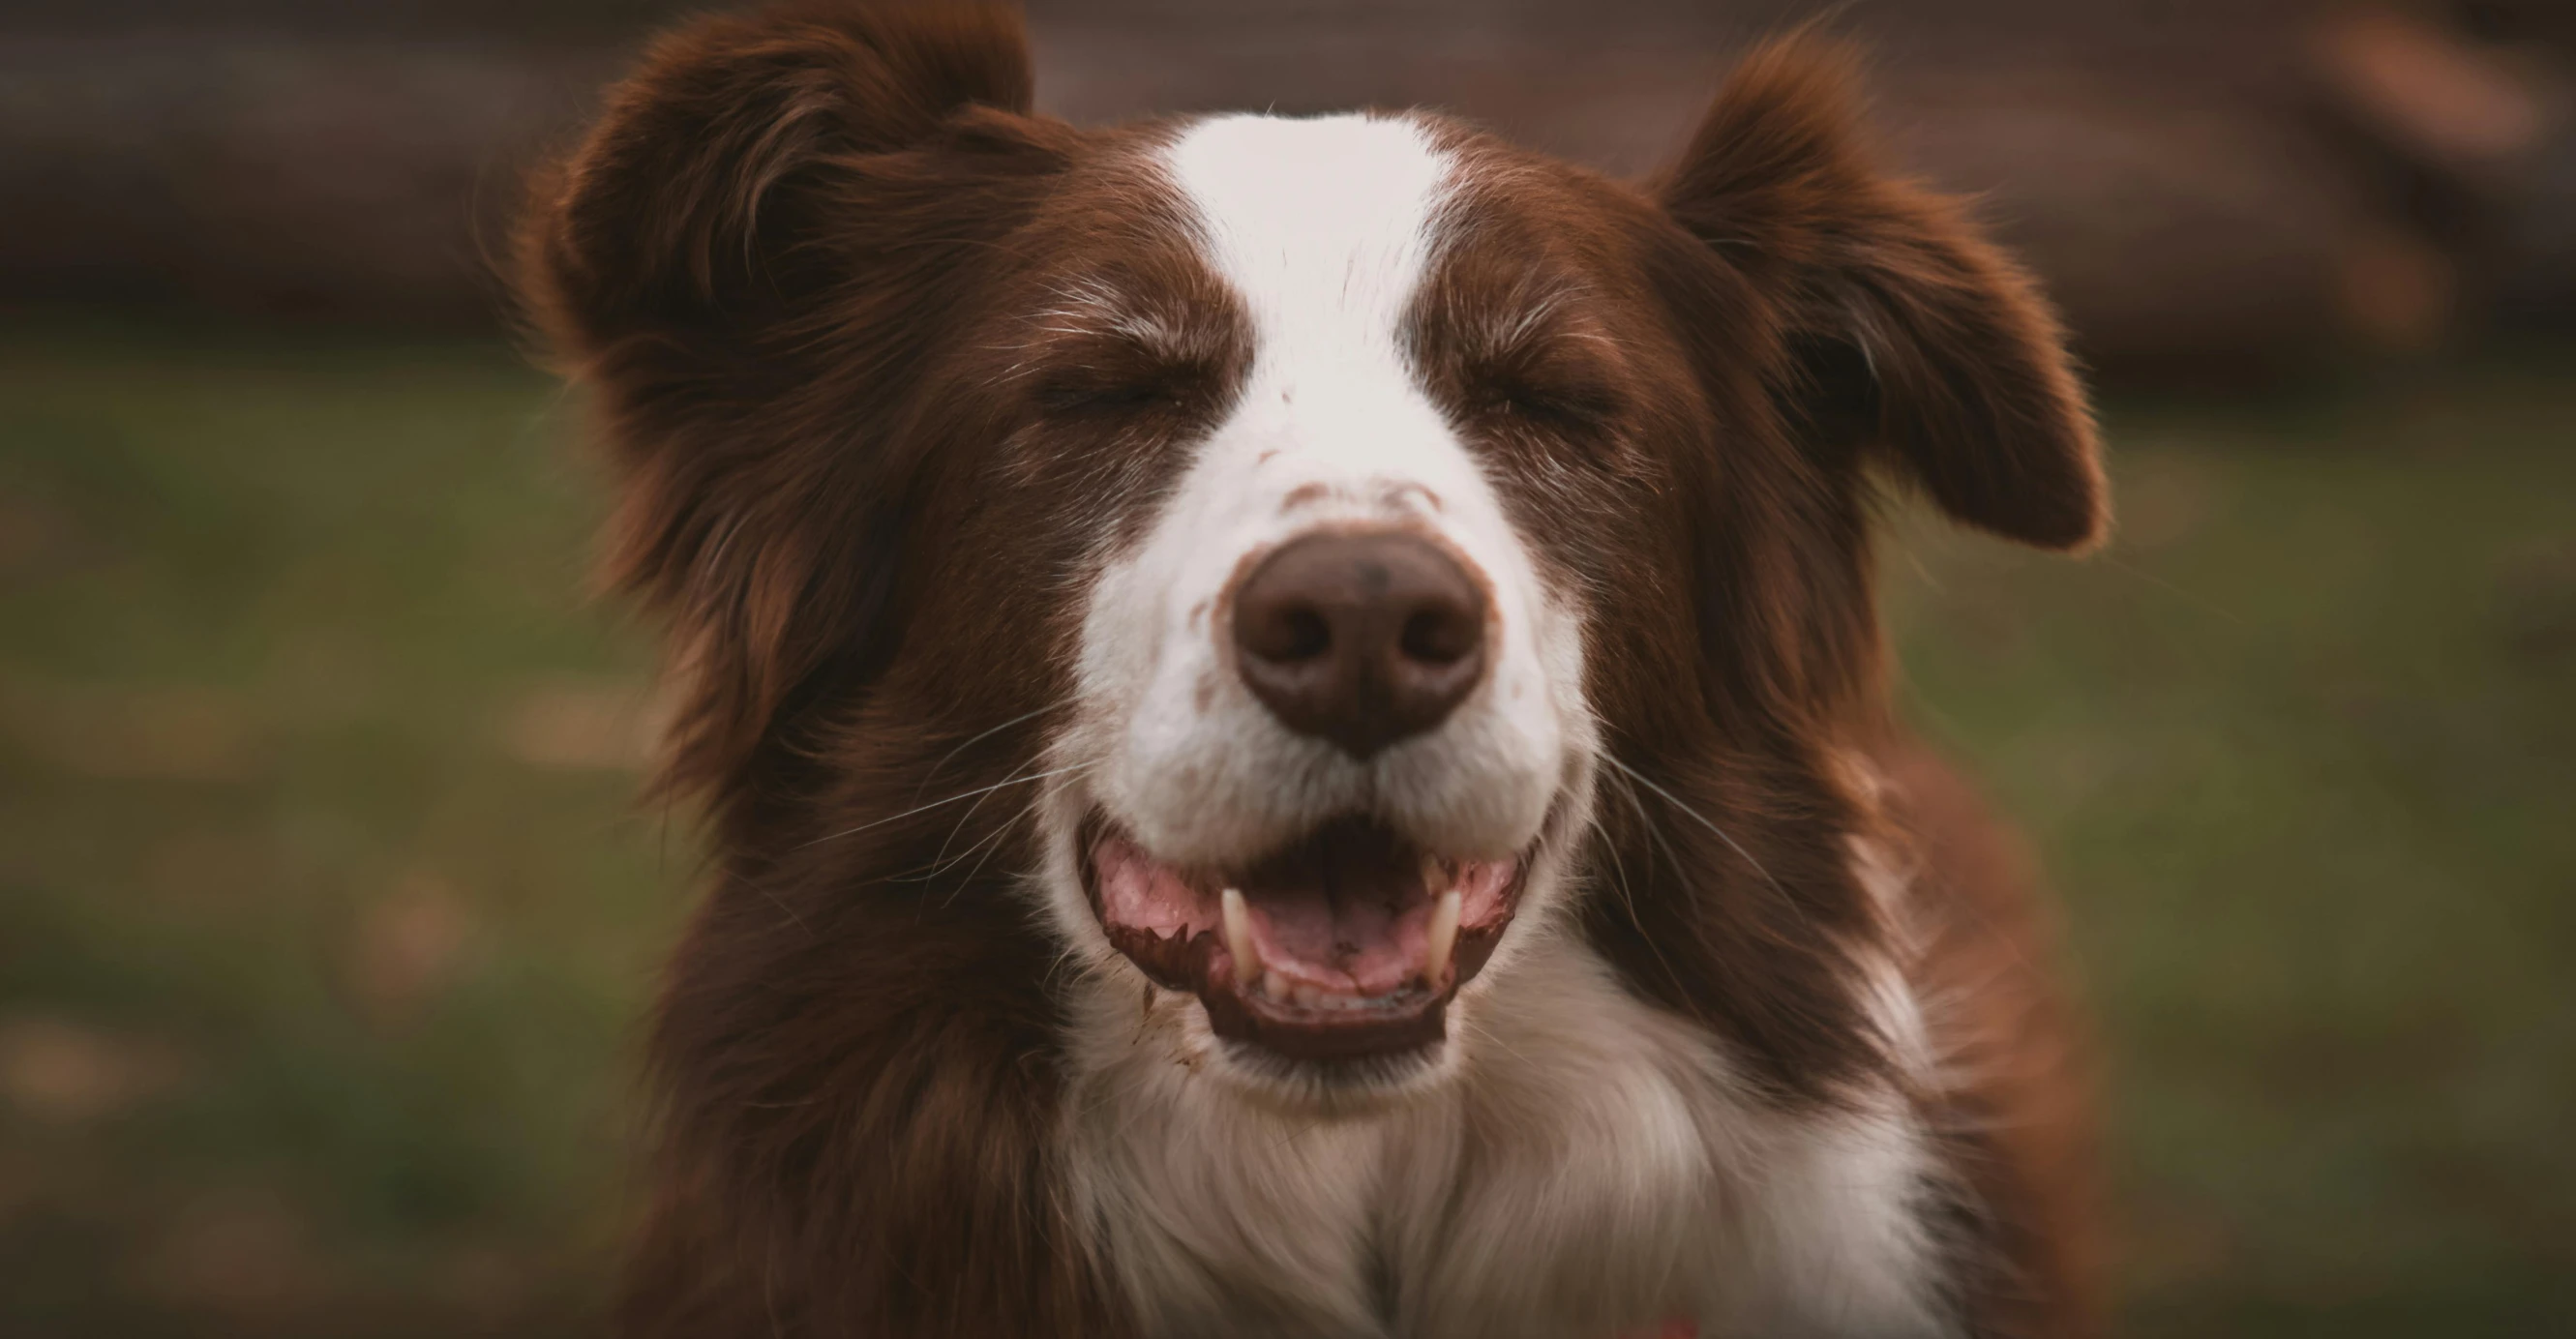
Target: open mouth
{"x": 1348, "y": 944}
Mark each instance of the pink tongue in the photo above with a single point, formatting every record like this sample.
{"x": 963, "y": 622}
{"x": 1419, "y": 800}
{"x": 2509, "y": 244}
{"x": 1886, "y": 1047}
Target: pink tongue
{"x": 1355, "y": 943}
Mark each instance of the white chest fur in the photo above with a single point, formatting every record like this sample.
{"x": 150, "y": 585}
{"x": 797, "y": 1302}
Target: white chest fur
{"x": 1592, "y": 1167}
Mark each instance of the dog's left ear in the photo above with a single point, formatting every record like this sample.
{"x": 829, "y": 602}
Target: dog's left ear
{"x": 1908, "y": 332}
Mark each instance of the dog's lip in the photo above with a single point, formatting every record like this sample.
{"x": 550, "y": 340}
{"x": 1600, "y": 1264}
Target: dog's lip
{"x": 1182, "y": 939}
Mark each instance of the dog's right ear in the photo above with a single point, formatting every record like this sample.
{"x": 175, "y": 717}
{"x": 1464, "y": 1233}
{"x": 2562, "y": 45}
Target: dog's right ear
{"x": 748, "y": 260}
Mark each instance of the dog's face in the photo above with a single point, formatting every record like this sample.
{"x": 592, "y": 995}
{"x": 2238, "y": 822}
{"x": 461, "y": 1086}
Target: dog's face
{"x": 1286, "y": 524}
{"x": 1329, "y": 730}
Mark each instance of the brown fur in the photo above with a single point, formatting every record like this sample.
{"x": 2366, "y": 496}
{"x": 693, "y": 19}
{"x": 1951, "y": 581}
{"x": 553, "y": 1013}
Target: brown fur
{"x": 2020, "y": 1137}
{"x": 797, "y": 260}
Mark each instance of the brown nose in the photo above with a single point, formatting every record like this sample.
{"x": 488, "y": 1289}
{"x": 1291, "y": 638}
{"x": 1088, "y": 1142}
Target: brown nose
{"x": 1361, "y": 639}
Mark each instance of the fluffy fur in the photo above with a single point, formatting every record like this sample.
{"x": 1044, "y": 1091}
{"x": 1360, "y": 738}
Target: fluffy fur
{"x": 941, "y": 429}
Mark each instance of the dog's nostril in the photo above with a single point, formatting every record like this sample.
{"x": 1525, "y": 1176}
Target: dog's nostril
{"x": 1296, "y": 634}
{"x": 1441, "y": 634}
{"x": 1360, "y": 638}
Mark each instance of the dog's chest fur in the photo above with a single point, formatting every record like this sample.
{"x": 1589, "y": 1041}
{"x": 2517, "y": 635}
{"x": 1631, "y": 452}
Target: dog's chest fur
{"x": 1596, "y": 1168}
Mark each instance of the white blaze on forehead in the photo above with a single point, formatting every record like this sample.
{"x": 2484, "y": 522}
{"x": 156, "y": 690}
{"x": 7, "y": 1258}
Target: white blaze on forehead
{"x": 1323, "y": 227}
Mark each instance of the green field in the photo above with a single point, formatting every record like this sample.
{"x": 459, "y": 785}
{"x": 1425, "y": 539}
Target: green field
{"x": 326, "y": 912}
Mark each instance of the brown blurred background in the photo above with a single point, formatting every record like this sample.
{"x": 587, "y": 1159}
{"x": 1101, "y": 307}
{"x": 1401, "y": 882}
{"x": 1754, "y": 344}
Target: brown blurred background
{"x": 327, "y": 907}
{"x": 2216, "y": 189}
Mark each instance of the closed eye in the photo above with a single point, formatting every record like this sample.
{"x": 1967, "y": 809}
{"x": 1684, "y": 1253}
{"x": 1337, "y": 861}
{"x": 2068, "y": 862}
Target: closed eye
{"x": 1090, "y": 395}
{"x": 1580, "y": 410}
{"x": 1553, "y": 375}
{"x": 1122, "y": 382}
{"x": 1571, "y": 408}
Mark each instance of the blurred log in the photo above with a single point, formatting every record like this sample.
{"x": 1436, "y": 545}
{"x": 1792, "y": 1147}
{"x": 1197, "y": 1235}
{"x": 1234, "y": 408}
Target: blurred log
{"x": 2164, "y": 166}
{"x": 2192, "y": 231}
{"x": 2473, "y": 139}
{"x": 298, "y": 178}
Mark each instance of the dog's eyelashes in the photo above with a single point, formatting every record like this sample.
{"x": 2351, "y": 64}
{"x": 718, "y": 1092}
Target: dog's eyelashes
{"x": 1076, "y": 398}
{"x": 1097, "y": 395}
{"x": 1576, "y": 415}
{"x": 1573, "y": 410}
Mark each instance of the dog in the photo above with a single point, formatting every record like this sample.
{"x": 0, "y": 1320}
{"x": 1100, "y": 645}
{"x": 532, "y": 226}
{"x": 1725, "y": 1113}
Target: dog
{"x": 1291, "y": 717}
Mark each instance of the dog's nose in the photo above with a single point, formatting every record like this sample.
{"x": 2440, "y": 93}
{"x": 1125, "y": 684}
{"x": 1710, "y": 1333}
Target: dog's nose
{"x": 1360, "y": 638}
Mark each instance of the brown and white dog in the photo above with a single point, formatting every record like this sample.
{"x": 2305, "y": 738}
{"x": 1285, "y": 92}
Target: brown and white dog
{"x": 1293, "y": 717}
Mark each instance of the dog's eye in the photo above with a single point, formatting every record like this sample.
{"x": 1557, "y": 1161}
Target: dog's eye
{"x": 1567, "y": 409}
{"x": 1110, "y": 398}
{"x": 1075, "y": 396}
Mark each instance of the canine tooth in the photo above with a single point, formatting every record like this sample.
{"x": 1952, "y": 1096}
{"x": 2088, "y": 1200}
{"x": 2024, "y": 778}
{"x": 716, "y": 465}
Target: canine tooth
{"x": 1238, "y": 935}
{"x": 1435, "y": 876}
{"x": 1442, "y": 938}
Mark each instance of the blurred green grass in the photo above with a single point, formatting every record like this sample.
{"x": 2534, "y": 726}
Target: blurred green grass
{"x": 326, "y": 909}
{"x": 2300, "y": 753}
{"x": 324, "y": 905}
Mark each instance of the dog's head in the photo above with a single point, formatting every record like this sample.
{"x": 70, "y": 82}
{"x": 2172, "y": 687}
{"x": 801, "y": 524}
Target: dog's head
{"x": 1232, "y": 552}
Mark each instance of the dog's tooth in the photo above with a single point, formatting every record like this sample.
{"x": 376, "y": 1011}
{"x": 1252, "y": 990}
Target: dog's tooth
{"x": 1435, "y": 876}
{"x": 1442, "y": 937}
{"x": 1238, "y": 936}
{"x": 1308, "y": 997}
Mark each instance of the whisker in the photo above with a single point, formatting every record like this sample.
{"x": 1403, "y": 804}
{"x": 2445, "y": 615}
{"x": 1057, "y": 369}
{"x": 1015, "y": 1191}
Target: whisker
{"x": 1619, "y": 868}
{"x": 1675, "y": 801}
{"x": 786, "y": 910}
{"x": 992, "y": 844}
{"x": 936, "y": 804}
{"x": 951, "y": 755}
{"x": 960, "y": 826}
{"x": 1664, "y": 844}
{"x": 987, "y": 843}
